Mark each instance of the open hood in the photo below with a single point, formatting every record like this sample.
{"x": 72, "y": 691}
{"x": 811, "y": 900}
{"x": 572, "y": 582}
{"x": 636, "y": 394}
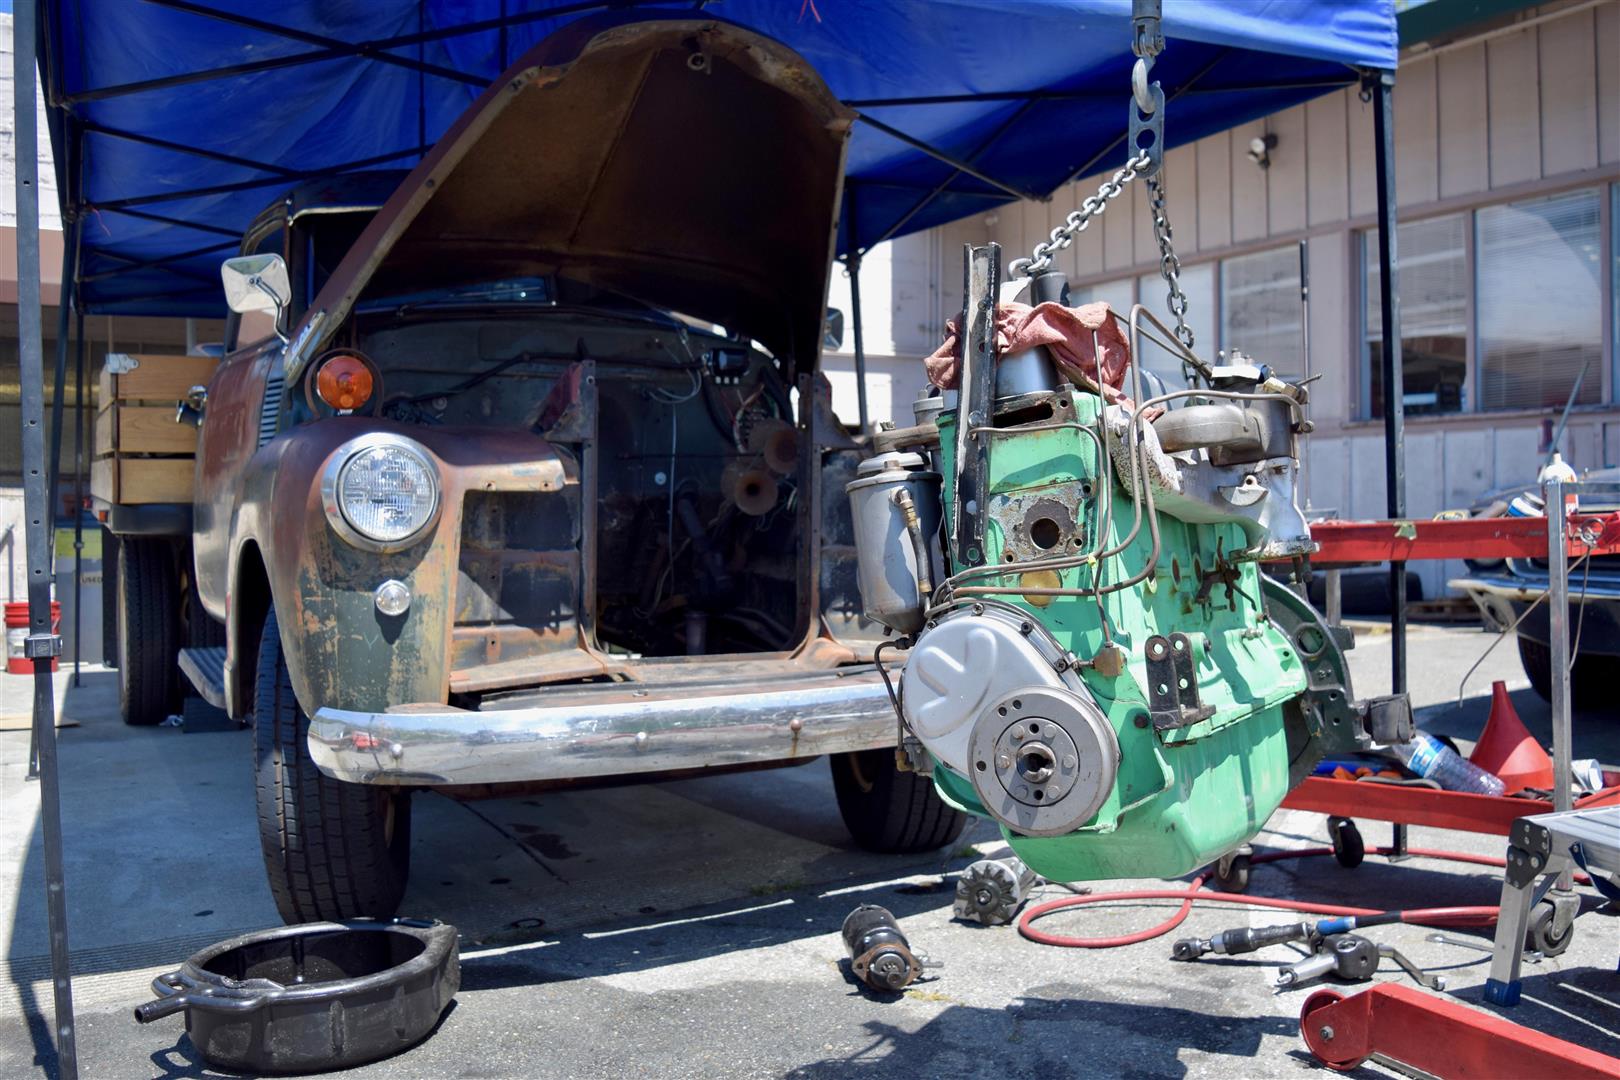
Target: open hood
{"x": 688, "y": 163}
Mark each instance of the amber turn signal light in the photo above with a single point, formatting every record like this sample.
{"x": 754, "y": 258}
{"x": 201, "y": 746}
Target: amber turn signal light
{"x": 344, "y": 382}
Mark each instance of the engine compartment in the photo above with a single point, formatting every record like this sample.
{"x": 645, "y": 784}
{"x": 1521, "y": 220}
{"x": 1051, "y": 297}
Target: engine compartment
{"x": 681, "y": 538}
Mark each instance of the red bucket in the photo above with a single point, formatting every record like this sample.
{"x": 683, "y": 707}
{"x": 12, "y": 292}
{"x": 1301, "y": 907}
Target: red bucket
{"x": 17, "y": 636}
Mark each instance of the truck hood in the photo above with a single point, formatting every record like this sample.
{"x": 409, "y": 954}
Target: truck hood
{"x": 685, "y": 162}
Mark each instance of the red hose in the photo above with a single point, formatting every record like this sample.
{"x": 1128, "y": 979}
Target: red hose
{"x": 1196, "y": 893}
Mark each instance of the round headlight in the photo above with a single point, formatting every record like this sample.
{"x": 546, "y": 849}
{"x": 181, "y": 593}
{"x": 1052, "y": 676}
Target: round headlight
{"x": 386, "y": 492}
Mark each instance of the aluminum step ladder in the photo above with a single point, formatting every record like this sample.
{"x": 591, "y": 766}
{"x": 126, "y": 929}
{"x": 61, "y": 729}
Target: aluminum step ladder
{"x": 1540, "y": 850}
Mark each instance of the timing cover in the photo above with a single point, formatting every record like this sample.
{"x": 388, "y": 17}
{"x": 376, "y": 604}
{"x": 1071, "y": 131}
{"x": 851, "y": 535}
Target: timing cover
{"x": 967, "y": 662}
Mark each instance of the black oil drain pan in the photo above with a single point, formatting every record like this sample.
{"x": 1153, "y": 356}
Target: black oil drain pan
{"x": 313, "y": 997}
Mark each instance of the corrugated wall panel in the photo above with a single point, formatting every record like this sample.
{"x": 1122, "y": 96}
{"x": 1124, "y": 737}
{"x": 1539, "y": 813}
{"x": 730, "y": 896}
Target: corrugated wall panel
{"x": 1514, "y": 111}
{"x": 1607, "y": 49}
{"x": 1249, "y": 183}
{"x": 1327, "y": 174}
{"x": 1287, "y": 178}
{"x": 1214, "y": 191}
{"x": 1416, "y": 136}
{"x": 1569, "y": 94}
{"x": 1464, "y": 143}
{"x": 1359, "y": 146}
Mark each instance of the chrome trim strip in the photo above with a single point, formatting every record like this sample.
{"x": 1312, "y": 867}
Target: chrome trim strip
{"x": 1597, "y": 591}
{"x": 577, "y": 737}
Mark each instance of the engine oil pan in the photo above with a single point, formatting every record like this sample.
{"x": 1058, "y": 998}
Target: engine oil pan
{"x": 313, "y": 997}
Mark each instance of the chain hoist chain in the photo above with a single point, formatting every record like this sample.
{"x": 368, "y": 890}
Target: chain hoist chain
{"x": 1061, "y": 237}
{"x": 1169, "y": 263}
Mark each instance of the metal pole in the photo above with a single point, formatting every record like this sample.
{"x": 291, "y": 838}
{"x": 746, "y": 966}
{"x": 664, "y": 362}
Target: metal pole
{"x": 1305, "y": 353}
{"x": 78, "y": 488}
{"x": 59, "y": 379}
{"x": 42, "y": 645}
{"x": 854, "y": 263}
{"x": 1558, "y": 625}
{"x": 1382, "y": 85}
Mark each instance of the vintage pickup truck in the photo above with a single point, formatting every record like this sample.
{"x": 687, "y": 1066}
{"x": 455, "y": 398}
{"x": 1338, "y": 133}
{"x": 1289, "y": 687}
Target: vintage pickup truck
{"x": 517, "y": 472}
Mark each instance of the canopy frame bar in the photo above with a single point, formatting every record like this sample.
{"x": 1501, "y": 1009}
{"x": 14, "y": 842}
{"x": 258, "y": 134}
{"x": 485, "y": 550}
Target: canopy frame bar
{"x": 1086, "y": 95}
{"x": 247, "y": 185}
{"x": 95, "y": 128}
{"x": 333, "y": 49}
{"x": 955, "y": 162}
{"x": 159, "y": 263}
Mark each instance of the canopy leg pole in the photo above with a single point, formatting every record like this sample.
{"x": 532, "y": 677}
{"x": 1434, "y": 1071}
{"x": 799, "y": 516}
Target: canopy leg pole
{"x": 854, "y": 264}
{"x": 1382, "y": 86}
{"x": 78, "y": 489}
{"x": 42, "y": 645}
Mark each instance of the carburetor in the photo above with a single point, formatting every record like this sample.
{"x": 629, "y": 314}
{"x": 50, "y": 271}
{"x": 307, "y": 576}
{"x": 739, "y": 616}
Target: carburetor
{"x": 1094, "y": 659}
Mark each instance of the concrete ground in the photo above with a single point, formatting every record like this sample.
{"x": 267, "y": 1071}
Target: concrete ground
{"x": 691, "y": 928}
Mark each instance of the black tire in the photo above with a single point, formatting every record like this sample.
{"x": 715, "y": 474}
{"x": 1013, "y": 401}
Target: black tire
{"x": 146, "y": 615}
{"x": 888, "y": 810}
{"x": 109, "y": 598}
{"x": 332, "y": 850}
{"x": 1589, "y": 680}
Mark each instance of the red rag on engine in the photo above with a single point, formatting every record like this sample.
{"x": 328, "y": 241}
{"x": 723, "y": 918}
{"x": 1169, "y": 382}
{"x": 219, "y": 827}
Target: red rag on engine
{"x": 1068, "y": 333}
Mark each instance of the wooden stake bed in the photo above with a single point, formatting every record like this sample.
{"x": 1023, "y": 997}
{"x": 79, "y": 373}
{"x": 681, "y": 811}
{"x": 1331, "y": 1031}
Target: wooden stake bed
{"x": 141, "y": 454}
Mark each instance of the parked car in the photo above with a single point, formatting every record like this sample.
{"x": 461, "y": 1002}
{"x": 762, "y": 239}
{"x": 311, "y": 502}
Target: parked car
{"x": 515, "y": 479}
{"x": 1510, "y": 590}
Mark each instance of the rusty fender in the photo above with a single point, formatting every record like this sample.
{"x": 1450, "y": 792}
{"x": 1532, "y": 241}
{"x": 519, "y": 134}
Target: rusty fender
{"x": 341, "y": 652}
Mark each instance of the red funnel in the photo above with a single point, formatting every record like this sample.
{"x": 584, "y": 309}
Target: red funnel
{"x": 1507, "y": 749}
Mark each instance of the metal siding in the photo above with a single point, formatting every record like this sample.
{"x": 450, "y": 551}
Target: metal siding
{"x": 1249, "y": 184}
{"x": 1569, "y": 94}
{"x": 1286, "y": 180}
{"x": 1214, "y": 191}
{"x": 1181, "y": 186}
{"x": 1119, "y": 227}
{"x": 1416, "y": 137}
{"x": 1514, "y": 114}
{"x": 1327, "y": 185}
{"x": 1607, "y": 34}
{"x": 1463, "y": 128}
{"x": 1359, "y": 144}
{"x": 1087, "y": 252}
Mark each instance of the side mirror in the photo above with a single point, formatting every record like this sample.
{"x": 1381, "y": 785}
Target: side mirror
{"x": 832, "y": 329}
{"x": 257, "y": 283}
{"x": 190, "y": 409}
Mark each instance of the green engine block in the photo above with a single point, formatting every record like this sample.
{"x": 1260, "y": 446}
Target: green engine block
{"x": 1094, "y": 659}
{"x": 1186, "y": 795}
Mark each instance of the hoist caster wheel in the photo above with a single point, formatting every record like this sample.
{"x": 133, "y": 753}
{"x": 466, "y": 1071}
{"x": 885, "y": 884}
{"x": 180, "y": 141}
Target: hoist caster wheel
{"x": 1541, "y": 936}
{"x": 1232, "y": 872}
{"x": 1348, "y": 846}
{"x": 1319, "y": 1037}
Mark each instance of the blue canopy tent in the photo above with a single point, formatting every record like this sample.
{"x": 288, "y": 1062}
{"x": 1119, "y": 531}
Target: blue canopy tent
{"x": 175, "y": 121}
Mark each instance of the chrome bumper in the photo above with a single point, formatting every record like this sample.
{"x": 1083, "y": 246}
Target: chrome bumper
{"x": 1595, "y": 589}
{"x": 611, "y": 730}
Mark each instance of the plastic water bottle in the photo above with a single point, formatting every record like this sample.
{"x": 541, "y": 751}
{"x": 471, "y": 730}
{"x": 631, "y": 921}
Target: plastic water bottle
{"x": 1434, "y": 760}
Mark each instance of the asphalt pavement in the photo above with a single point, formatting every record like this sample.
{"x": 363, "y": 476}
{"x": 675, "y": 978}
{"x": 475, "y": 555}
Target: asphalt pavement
{"x": 691, "y": 928}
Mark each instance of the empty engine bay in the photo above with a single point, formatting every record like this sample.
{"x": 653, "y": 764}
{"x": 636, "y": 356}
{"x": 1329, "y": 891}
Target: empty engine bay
{"x": 691, "y": 471}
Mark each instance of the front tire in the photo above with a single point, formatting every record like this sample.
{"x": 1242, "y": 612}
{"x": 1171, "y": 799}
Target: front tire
{"x": 1589, "y": 679}
{"x": 332, "y": 850}
{"x": 146, "y": 615}
{"x": 888, "y": 810}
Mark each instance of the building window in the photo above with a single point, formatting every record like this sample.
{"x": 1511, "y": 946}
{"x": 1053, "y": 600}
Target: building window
{"x": 1539, "y": 320}
{"x": 1434, "y": 316}
{"x": 1198, "y": 282}
{"x": 1261, "y": 311}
